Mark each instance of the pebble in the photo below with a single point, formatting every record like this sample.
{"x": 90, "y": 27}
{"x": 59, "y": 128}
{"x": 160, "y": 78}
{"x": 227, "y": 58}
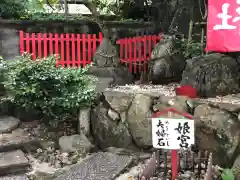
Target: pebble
{"x": 186, "y": 175}
{"x": 168, "y": 90}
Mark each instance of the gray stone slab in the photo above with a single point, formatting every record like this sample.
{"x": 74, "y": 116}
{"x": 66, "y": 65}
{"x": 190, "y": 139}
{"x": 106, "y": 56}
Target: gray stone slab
{"x": 8, "y": 123}
{"x": 15, "y": 140}
{"x": 13, "y": 161}
{"x": 102, "y": 84}
{"x": 14, "y": 177}
{"x": 100, "y": 166}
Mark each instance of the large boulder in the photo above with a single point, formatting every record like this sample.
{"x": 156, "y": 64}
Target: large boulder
{"x": 77, "y": 142}
{"x": 212, "y": 75}
{"x": 166, "y": 65}
{"x": 139, "y": 120}
{"x": 167, "y": 69}
{"x": 219, "y": 132}
{"x": 107, "y": 127}
{"x": 164, "y": 47}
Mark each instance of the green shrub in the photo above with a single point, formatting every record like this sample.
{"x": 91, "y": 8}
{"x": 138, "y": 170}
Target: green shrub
{"x": 57, "y": 93}
{"x": 13, "y": 9}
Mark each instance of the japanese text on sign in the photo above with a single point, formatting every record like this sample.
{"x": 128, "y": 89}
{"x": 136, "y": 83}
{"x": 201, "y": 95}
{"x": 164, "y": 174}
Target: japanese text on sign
{"x": 223, "y": 25}
{"x": 172, "y": 133}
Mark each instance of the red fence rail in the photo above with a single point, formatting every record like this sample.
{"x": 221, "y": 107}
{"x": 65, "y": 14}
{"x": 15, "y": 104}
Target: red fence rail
{"x": 77, "y": 50}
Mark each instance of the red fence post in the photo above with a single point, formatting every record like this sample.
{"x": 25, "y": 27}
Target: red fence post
{"x": 130, "y": 57}
{"x": 21, "y": 42}
{"x": 89, "y": 49}
{"x": 45, "y": 46}
{"x": 84, "y": 50}
{"x": 56, "y": 48}
{"x": 73, "y": 50}
{"x": 145, "y": 53}
{"x": 139, "y": 59}
{"x": 62, "y": 53}
{"x": 67, "y": 60}
{"x": 28, "y": 43}
{"x": 39, "y": 45}
{"x": 50, "y": 37}
{"x": 78, "y": 51}
{"x": 34, "y": 51}
{"x": 95, "y": 43}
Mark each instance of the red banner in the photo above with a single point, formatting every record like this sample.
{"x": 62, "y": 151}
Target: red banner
{"x": 223, "y": 26}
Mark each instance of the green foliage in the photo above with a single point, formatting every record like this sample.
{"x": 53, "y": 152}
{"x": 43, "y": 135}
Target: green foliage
{"x": 38, "y": 5}
{"x": 193, "y": 49}
{"x": 57, "y": 93}
{"x": 227, "y": 174}
{"x": 108, "y": 7}
{"x": 13, "y": 9}
{"x": 190, "y": 49}
{"x": 48, "y": 16}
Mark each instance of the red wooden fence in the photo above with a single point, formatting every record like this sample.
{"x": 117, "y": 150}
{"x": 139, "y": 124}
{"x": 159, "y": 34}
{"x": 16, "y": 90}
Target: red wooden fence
{"x": 77, "y": 50}
{"x": 71, "y": 49}
{"x": 137, "y": 50}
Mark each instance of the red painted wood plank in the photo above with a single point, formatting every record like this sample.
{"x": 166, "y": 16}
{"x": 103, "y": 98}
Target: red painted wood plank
{"x": 39, "y": 45}
{"x": 67, "y": 60}
{"x": 45, "y": 46}
{"x": 50, "y": 35}
{"x": 56, "y": 39}
{"x": 89, "y": 49}
{"x": 84, "y": 50}
{"x": 28, "y": 43}
{"x": 62, "y": 53}
{"x": 78, "y": 50}
{"x": 34, "y": 50}
{"x": 21, "y": 43}
{"x": 73, "y": 39}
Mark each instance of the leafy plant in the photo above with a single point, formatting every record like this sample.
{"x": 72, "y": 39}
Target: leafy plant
{"x": 48, "y": 16}
{"x": 108, "y": 7}
{"x": 57, "y": 93}
{"x": 190, "y": 49}
{"x": 13, "y": 9}
{"x": 227, "y": 174}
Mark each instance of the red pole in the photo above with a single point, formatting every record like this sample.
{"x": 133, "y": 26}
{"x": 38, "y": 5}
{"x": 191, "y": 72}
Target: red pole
{"x": 192, "y": 93}
{"x": 174, "y": 158}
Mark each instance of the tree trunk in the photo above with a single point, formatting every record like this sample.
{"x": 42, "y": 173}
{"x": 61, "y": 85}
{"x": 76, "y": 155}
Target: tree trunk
{"x": 66, "y": 7}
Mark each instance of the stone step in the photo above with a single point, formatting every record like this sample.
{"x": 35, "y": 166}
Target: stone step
{"x": 14, "y": 177}
{"x": 13, "y": 162}
{"x": 104, "y": 166}
{"x": 8, "y": 123}
{"x": 18, "y": 139}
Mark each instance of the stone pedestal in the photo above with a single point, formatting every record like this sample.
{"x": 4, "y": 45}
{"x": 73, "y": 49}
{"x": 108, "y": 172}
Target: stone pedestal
{"x": 9, "y": 46}
{"x": 84, "y": 121}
